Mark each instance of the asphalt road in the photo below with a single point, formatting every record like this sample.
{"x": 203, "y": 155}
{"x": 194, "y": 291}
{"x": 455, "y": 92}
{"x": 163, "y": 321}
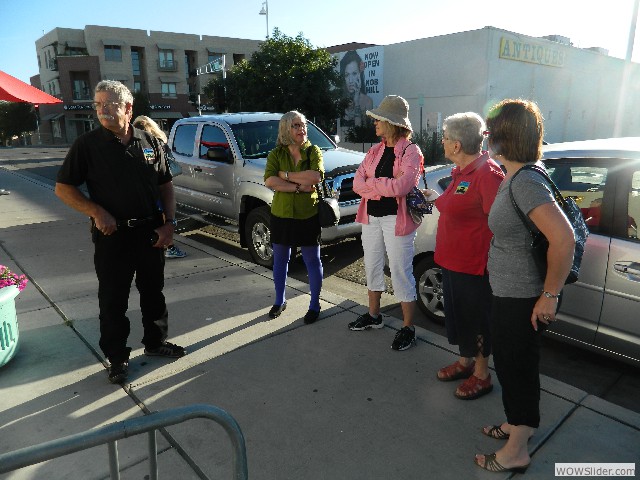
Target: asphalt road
{"x": 612, "y": 380}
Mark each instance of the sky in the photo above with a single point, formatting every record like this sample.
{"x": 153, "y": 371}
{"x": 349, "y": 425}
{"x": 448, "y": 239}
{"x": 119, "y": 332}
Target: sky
{"x": 324, "y": 23}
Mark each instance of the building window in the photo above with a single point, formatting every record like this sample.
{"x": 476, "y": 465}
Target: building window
{"x": 81, "y": 90}
{"x": 135, "y": 62}
{"x": 137, "y": 87}
{"x": 169, "y": 90}
{"x": 165, "y": 60}
{"x": 215, "y": 57}
{"x": 112, "y": 53}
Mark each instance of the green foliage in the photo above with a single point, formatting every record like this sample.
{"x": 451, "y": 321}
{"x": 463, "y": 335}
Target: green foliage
{"x": 16, "y": 119}
{"x": 141, "y": 105}
{"x": 365, "y": 133}
{"x": 431, "y": 146}
{"x": 284, "y": 74}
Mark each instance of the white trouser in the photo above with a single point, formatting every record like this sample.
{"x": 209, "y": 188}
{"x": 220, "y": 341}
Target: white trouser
{"x": 378, "y": 236}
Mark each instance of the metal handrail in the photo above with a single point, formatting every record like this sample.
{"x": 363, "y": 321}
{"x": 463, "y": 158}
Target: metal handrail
{"x": 127, "y": 428}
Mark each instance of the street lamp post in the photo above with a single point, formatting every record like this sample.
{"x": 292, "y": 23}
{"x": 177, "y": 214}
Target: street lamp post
{"x": 265, "y": 12}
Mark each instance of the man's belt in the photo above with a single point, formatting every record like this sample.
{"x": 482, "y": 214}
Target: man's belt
{"x": 138, "y": 222}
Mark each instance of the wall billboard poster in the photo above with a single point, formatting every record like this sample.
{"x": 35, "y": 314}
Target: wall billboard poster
{"x": 361, "y": 71}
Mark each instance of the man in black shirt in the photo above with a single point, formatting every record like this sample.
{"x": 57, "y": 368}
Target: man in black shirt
{"x": 132, "y": 207}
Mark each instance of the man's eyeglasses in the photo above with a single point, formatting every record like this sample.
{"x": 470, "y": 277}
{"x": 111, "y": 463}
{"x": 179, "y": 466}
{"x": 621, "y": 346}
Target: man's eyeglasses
{"x": 299, "y": 126}
{"x": 107, "y": 105}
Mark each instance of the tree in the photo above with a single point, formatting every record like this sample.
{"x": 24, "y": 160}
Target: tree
{"x": 284, "y": 74}
{"x": 365, "y": 133}
{"x": 16, "y": 119}
{"x": 141, "y": 105}
{"x": 431, "y": 146}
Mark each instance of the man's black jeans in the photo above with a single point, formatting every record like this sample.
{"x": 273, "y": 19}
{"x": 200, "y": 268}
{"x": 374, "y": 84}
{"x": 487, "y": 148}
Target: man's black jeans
{"x": 118, "y": 257}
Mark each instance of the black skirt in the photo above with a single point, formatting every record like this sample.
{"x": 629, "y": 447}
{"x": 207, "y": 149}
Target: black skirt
{"x": 295, "y": 233}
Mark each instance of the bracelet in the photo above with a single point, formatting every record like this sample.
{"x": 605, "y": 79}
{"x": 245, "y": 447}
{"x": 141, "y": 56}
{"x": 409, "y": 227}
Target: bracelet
{"x": 550, "y": 295}
{"x": 286, "y": 175}
{"x": 297, "y": 188}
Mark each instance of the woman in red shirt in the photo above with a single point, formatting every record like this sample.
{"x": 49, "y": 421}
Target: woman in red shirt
{"x": 462, "y": 246}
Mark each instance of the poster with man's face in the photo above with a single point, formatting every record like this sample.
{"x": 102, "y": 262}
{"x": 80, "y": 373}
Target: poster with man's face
{"x": 361, "y": 71}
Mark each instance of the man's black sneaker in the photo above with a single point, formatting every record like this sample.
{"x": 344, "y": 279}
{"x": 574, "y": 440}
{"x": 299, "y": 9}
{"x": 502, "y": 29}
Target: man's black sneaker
{"x": 118, "y": 372}
{"x": 166, "y": 349}
{"x": 366, "y": 321}
{"x": 405, "y": 337}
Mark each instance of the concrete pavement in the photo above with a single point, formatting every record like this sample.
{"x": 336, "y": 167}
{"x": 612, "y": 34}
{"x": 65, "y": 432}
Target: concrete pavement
{"x": 313, "y": 401}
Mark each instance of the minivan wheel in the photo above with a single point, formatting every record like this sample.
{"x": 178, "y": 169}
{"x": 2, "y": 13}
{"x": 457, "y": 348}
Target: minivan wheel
{"x": 429, "y": 288}
{"x": 258, "y": 234}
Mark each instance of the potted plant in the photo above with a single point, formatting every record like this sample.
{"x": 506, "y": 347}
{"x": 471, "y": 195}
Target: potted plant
{"x": 10, "y": 286}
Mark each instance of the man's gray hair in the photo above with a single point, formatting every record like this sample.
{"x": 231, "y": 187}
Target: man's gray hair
{"x": 122, "y": 92}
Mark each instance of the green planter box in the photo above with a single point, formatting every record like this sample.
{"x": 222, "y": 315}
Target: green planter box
{"x": 8, "y": 324}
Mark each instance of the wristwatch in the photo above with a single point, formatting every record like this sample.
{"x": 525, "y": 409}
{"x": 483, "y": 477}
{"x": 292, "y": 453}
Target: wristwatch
{"x": 550, "y": 295}
{"x": 172, "y": 221}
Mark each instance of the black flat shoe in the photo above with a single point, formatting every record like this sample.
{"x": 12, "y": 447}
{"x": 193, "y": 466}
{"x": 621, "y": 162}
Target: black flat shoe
{"x": 311, "y": 316}
{"x": 276, "y": 310}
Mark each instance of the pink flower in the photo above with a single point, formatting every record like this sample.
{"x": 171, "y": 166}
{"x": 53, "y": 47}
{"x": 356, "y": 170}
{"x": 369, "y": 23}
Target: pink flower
{"x": 7, "y": 279}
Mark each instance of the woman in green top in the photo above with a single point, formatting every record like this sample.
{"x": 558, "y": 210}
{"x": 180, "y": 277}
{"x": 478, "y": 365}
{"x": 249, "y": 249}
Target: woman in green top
{"x": 293, "y": 169}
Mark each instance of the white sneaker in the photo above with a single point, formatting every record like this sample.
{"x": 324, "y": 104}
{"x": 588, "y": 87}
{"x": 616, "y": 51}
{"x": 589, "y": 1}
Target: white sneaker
{"x": 174, "y": 252}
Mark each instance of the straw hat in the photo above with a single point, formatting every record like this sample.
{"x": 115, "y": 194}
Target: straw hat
{"x": 393, "y": 109}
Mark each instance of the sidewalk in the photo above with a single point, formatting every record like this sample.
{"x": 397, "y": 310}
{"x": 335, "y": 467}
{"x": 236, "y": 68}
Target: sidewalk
{"x": 313, "y": 401}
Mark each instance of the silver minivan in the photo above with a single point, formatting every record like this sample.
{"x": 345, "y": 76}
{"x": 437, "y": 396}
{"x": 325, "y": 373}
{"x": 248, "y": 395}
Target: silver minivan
{"x": 602, "y": 310}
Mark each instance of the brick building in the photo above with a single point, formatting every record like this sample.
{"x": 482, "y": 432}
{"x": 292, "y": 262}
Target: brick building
{"x": 161, "y": 65}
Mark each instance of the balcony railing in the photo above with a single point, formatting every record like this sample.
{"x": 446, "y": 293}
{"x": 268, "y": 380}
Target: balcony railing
{"x": 82, "y": 95}
{"x": 167, "y": 65}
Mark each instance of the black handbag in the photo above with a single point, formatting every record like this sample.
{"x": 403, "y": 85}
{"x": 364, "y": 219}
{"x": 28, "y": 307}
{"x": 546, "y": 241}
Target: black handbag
{"x": 328, "y": 208}
{"x": 417, "y": 202}
{"x": 174, "y": 166}
{"x": 539, "y": 243}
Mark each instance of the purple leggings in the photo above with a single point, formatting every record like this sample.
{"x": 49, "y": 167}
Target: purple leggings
{"x": 311, "y": 257}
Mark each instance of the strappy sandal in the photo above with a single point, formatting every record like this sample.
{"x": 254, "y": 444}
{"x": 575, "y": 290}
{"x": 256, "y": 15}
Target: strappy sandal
{"x": 455, "y": 371}
{"x": 473, "y": 388}
{"x": 495, "y": 431}
{"x": 492, "y": 465}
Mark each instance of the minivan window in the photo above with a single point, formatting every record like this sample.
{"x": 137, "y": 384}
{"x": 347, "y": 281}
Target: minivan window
{"x": 633, "y": 215}
{"x": 184, "y": 139}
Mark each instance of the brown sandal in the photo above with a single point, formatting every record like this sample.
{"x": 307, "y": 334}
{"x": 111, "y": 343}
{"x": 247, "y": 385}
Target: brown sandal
{"x": 492, "y": 465}
{"x": 473, "y": 388}
{"x": 455, "y": 371}
{"x": 495, "y": 431}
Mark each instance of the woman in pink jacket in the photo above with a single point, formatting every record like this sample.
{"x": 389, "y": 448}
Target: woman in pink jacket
{"x": 388, "y": 172}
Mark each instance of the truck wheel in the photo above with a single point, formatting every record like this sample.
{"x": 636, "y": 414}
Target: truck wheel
{"x": 258, "y": 234}
{"x": 429, "y": 288}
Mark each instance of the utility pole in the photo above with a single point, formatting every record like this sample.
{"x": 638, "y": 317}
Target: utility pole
{"x": 632, "y": 30}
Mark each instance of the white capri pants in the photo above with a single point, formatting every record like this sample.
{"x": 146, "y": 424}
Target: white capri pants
{"x": 378, "y": 236}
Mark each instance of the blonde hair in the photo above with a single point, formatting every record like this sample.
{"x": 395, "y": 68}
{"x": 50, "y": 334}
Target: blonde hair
{"x": 284, "y": 128}
{"x": 145, "y": 123}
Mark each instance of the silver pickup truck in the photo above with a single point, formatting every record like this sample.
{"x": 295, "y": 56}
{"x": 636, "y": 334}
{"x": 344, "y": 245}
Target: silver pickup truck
{"x": 223, "y": 159}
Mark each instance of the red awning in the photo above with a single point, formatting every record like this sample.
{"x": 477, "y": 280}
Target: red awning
{"x": 14, "y": 90}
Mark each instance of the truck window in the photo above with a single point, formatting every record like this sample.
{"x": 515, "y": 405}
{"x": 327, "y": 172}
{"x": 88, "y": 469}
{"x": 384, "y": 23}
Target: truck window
{"x": 212, "y": 136}
{"x": 184, "y": 139}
